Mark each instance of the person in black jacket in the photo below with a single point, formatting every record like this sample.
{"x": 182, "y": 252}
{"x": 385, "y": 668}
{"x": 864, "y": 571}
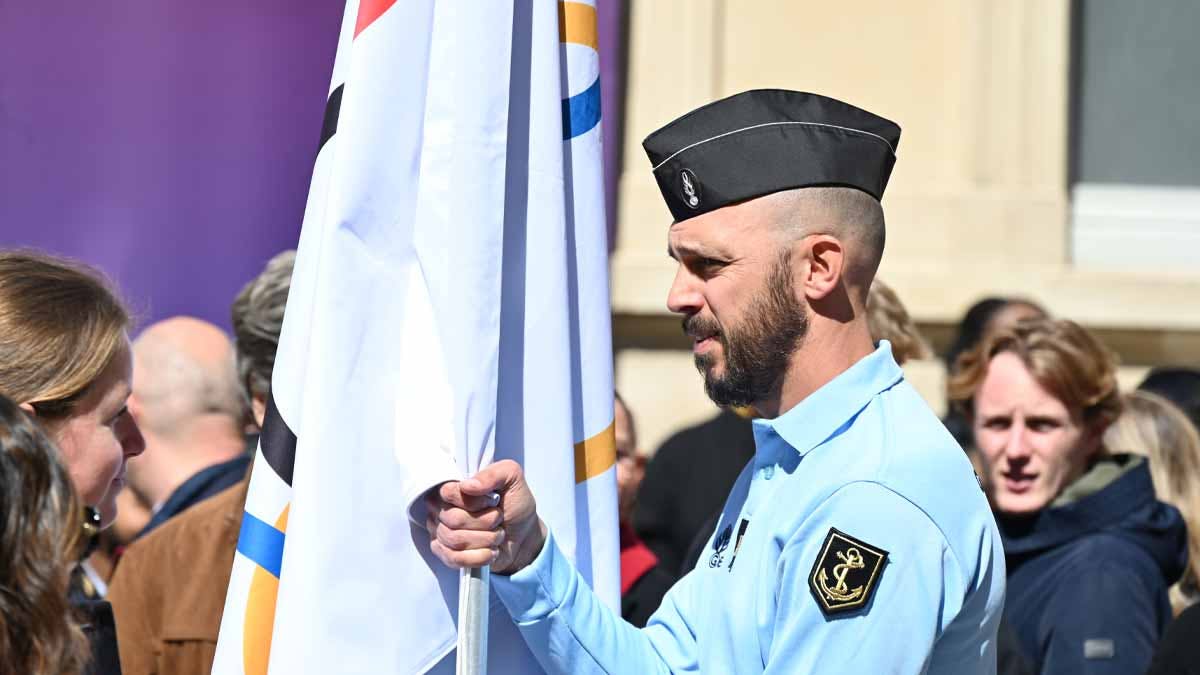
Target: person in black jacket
{"x": 686, "y": 483}
{"x": 1090, "y": 551}
{"x": 1179, "y": 651}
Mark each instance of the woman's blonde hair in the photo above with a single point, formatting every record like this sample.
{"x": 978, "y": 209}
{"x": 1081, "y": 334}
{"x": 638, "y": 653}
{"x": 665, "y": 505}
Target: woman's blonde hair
{"x": 1063, "y": 357}
{"x": 41, "y": 527}
{"x": 888, "y": 319}
{"x": 60, "y": 326}
{"x": 1153, "y": 426}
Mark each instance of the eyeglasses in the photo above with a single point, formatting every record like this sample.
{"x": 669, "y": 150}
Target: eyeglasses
{"x": 91, "y": 531}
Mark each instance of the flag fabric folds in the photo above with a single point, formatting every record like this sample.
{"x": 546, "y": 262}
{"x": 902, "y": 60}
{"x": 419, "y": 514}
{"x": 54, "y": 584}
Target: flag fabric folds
{"x": 449, "y": 307}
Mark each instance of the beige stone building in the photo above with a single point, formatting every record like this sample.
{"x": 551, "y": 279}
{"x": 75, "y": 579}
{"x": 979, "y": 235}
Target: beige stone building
{"x": 1047, "y": 152}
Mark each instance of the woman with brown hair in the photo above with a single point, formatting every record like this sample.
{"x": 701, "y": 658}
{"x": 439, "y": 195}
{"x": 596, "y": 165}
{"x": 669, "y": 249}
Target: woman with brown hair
{"x": 65, "y": 359}
{"x": 1090, "y": 551}
{"x": 41, "y": 541}
{"x": 1153, "y": 426}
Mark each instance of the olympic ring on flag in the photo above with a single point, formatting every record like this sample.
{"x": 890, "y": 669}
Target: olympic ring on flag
{"x": 577, "y": 25}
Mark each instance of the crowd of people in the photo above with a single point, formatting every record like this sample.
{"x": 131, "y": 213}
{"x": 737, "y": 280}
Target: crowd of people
{"x": 1097, "y": 493}
{"x": 124, "y": 469}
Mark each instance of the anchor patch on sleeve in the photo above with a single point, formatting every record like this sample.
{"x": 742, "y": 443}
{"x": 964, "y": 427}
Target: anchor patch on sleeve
{"x": 845, "y": 573}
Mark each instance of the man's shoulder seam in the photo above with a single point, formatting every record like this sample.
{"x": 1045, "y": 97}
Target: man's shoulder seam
{"x": 900, "y": 495}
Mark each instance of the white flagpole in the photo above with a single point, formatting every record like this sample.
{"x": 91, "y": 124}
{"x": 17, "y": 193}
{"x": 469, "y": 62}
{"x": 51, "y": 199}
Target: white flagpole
{"x": 473, "y": 588}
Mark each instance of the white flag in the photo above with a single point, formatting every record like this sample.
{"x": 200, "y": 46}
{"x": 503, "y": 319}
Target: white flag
{"x": 449, "y": 307}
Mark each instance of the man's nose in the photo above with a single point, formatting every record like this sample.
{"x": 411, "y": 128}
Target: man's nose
{"x": 684, "y": 296}
{"x": 1016, "y": 446}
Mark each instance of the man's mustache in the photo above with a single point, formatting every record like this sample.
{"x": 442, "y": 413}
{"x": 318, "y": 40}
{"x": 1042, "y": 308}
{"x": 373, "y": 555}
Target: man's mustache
{"x": 698, "y": 327}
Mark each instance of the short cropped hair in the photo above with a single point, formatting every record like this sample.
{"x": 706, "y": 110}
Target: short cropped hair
{"x": 1062, "y": 356}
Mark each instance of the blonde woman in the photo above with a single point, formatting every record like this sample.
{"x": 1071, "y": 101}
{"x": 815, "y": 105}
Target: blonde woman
{"x": 65, "y": 359}
{"x": 1153, "y": 426}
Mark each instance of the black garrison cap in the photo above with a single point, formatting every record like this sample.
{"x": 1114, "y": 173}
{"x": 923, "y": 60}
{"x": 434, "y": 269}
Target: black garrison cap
{"x": 763, "y": 141}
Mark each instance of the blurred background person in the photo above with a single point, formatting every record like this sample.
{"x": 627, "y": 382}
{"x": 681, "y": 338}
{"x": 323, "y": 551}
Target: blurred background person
{"x": 1151, "y": 425}
{"x": 168, "y": 593}
{"x": 192, "y": 413}
{"x": 1180, "y": 386}
{"x": 42, "y": 539}
{"x": 983, "y": 319}
{"x": 643, "y": 581}
{"x": 65, "y": 358}
{"x": 686, "y": 483}
{"x": 889, "y": 320}
{"x": 1090, "y": 550}
{"x": 1179, "y": 651}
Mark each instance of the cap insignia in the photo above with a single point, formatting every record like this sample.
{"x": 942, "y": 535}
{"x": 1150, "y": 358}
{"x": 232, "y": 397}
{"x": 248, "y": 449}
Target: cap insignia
{"x": 691, "y": 188}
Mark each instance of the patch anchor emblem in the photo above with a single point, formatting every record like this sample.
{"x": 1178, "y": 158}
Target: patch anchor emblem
{"x": 845, "y": 573}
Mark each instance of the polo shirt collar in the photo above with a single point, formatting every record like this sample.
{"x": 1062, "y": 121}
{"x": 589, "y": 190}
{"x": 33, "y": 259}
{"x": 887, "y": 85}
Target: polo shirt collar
{"x": 827, "y": 410}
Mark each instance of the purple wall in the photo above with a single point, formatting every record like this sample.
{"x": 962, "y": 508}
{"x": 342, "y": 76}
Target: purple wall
{"x": 168, "y": 143}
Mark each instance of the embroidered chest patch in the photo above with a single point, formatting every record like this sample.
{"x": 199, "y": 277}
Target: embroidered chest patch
{"x": 846, "y": 573}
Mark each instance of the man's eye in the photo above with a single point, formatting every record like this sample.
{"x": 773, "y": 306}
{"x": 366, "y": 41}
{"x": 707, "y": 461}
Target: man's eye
{"x": 1042, "y": 425}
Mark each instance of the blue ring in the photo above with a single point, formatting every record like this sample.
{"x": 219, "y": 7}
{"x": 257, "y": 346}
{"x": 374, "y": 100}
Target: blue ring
{"x": 581, "y": 112}
{"x": 261, "y": 543}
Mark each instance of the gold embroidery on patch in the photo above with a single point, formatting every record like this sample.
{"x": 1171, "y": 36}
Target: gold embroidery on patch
{"x": 845, "y": 574}
{"x": 851, "y": 559}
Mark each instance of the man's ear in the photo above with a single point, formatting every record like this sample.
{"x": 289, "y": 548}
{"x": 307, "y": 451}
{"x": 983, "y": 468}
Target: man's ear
{"x": 826, "y": 264}
{"x": 258, "y": 408}
{"x": 28, "y": 408}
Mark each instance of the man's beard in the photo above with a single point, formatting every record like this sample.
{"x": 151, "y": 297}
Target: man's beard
{"x": 758, "y": 350}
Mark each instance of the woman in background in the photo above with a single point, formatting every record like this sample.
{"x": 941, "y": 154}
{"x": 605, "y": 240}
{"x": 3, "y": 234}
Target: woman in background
{"x": 1153, "y": 426}
{"x": 42, "y": 539}
{"x": 65, "y": 359}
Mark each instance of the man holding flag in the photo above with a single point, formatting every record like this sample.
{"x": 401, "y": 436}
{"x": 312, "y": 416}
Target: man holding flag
{"x": 857, "y": 539}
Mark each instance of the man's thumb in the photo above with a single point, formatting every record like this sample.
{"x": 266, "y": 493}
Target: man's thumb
{"x": 496, "y": 477}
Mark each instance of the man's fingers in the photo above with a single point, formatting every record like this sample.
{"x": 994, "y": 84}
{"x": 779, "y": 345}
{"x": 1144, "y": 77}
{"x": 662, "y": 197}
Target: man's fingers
{"x": 459, "y": 519}
{"x": 466, "y": 540}
{"x": 451, "y": 493}
{"x": 496, "y": 477}
{"x": 460, "y": 559}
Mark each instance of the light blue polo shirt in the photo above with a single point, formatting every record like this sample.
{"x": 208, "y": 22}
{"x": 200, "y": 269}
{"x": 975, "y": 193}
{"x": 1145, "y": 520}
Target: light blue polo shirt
{"x": 858, "y": 540}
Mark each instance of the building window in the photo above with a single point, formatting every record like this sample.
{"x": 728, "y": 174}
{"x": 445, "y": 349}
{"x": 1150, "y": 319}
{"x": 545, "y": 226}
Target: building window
{"x": 1135, "y": 160}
